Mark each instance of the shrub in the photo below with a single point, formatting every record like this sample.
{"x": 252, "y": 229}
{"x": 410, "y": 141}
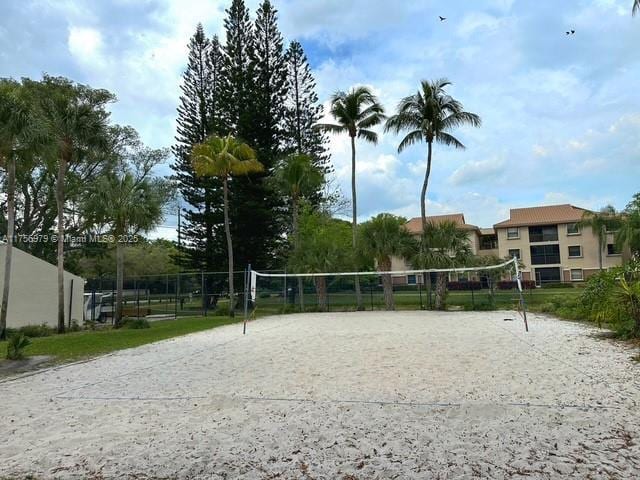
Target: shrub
{"x": 75, "y": 326}
{"x": 16, "y": 345}
{"x": 558, "y": 285}
{"x": 137, "y": 323}
{"x": 511, "y": 284}
{"x": 462, "y": 286}
{"x": 35, "y": 331}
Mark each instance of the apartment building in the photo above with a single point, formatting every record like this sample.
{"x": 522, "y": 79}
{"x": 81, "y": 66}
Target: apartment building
{"x": 552, "y": 246}
{"x": 483, "y": 241}
{"x": 548, "y": 240}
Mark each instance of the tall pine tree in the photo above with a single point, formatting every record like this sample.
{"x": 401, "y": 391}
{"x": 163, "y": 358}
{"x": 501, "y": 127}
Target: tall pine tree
{"x": 199, "y": 115}
{"x": 303, "y": 111}
{"x": 253, "y": 98}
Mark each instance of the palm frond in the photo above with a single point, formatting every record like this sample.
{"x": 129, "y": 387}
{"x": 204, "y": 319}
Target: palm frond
{"x": 368, "y": 135}
{"x": 330, "y": 128}
{"x": 449, "y": 140}
{"x": 410, "y": 139}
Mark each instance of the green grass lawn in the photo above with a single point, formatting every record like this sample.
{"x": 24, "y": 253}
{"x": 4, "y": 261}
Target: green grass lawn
{"x": 410, "y": 300}
{"x": 86, "y": 344}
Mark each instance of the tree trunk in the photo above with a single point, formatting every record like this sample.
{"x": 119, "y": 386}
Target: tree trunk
{"x": 227, "y": 229}
{"x": 321, "y": 291}
{"x": 423, "y": 209}
{"x": 441, "y": 290}
{"x": 354, "y": 208}
{"x": 62, "y": 170}
{"x": 119, "y": 283}
{"x": 11, "y": 215}
{"x": 387, "y": 285}
{"x": 425, "y": 184}
{"x": 601, "y": 238}
{"x": 296, "y": 239}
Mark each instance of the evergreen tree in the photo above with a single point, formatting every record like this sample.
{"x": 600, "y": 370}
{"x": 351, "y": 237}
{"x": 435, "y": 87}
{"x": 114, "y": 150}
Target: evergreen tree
{"x": 236, "y": 98}
{"x": 269, "y": 74}
{"x": 199, "y": 115}
{"x": 303, "y": 110}
{"x": 253, "y": 98}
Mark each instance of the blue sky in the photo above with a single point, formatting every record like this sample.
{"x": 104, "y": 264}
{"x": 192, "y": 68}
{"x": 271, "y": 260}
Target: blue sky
{"x": 561, "y": 114}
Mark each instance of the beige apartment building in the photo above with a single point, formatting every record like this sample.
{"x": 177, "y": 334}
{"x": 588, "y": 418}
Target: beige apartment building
{"x": 548, "y": 240}
{"x": 552, "y": 246}
{"x": 483, "y": 241}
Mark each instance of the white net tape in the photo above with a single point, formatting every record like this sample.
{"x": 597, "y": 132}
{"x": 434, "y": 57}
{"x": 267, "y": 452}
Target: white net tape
{"x": 391, "y": 272}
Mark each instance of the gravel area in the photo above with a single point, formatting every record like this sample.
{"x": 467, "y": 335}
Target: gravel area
{"x": 363, "y": 395}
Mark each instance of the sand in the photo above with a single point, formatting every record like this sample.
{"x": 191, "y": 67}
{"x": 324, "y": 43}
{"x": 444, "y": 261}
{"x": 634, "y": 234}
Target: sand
{"x": 406, "y": 395}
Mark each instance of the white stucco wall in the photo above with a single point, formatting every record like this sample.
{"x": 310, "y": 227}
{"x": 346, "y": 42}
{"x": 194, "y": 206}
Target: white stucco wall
{"x": 33, "y": 294}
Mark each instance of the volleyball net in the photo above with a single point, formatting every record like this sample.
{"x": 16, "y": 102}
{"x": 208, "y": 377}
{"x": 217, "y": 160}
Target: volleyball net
{"x": 478, "y": 287}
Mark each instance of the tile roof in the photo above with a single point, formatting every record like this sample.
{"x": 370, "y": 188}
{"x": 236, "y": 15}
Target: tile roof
{"x": 415, "y": 224}
{"x": 547, "y": 215}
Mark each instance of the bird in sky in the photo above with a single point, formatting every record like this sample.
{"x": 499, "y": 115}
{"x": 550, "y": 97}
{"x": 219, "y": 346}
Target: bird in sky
{"x": 571, "y": 32}
{"x": 442, "y": 19}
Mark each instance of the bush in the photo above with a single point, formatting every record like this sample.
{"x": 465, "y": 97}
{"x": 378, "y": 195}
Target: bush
{"x": 512, "y": 284}
{"x": 137, "y": 323}
{"x": 463, "y": 286}
{"x": 558, "y": 285}
{"x": 16, "y": 345}
{"x": 35, "y": 331}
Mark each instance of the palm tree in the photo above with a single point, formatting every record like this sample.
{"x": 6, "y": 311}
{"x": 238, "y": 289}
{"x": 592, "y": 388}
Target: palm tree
{"x": 600, "y": 222}
{"x": 443, "y": 245}
{"x": 636, "y": 7}
{"x": 324, "y": 247}
{"x": 429, "y": 115}
{"x": 356, "y": 113}
{"x": 225, "y": 157}
{"x": 297, "y": 177}
{"x": 128, "y": 202}
{"x": 628, "y": 225}
{"x": 383, "y": 237}
{"x": 76, "y": 118}
{"x": 16, "y": 132}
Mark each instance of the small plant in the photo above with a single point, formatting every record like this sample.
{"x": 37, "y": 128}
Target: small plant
{"x": 16, "y": 346}
{"x": 137, "y": 323}
{"x": 90, "y": 324}
{"x": 35, "y": 331}
{"x": 75, "y": 326}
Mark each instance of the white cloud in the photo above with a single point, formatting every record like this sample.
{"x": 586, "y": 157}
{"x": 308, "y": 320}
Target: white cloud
{"x": 85, "y": 44}
{"x": 477, "y": 171}
{"x": 540, "y": 151}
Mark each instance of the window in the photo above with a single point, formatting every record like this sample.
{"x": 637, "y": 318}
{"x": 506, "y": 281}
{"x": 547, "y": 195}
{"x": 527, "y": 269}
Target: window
{"x": 612, "y": 249}
{"x": 411, "y": 279}
{"x": 573, "y": 229}
{"x": 545, "y": 254}
{"x": 463, "y": 276}
{"x": 513, "y": 232}
{"x": 575, "y": 251}
{"x": 547, "y": 275}
{"x": 488, "y": 242}
{"x": 514, "y": 252}
{"x": 576, "y": 275}
{"x": 543, "y": 233}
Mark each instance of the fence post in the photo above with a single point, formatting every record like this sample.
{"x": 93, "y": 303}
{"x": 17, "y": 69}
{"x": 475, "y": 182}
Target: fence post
{"x": 136, "y": 286}
{"x": 420, "y": 293}
{"x": 204, "y": 297}
{"x": 473, "y": 298}
{"x": 371, "y": 295}
{"x": 166, "y": 292}
{"x": 93, "y": 306}
{"x": 284, "y": 296}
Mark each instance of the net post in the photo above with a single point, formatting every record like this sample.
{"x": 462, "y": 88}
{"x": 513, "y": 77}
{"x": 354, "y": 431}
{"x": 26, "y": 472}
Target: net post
{"x": 522, "y": 303}
{"x": 247, "y": 279}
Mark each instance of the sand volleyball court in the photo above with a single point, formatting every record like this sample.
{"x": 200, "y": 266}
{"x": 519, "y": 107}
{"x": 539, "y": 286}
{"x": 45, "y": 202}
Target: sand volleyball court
{"x": 406, "y": 395}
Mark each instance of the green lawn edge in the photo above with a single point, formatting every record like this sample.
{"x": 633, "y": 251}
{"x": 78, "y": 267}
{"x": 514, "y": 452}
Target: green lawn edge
{"x": 91, "y": 343}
